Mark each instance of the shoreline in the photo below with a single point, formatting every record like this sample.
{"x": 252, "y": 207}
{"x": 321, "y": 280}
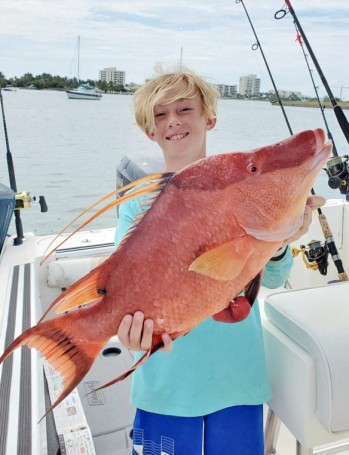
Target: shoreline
{"x": 313, "y": 103}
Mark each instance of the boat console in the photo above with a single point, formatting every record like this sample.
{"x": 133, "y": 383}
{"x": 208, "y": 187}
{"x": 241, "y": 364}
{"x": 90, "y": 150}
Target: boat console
{"x": 7, "y": 205}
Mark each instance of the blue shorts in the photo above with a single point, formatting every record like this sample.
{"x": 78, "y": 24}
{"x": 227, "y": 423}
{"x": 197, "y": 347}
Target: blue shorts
{"x": 231, "y": 431}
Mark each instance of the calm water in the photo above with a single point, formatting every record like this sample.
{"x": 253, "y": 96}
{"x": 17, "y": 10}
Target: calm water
{"x": 68, "y": 150}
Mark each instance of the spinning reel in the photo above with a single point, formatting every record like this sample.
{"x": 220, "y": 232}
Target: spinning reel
{"x": 24, "y": 200}
{"x": 315, "y": 255}
{"x": 338, "y": 173}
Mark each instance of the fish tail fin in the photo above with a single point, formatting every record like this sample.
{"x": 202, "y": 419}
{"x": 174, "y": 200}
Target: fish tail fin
{"x": 68, "y": 354}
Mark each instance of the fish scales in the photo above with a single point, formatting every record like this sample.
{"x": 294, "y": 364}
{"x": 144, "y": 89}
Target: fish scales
{"x": 206, "y": 237}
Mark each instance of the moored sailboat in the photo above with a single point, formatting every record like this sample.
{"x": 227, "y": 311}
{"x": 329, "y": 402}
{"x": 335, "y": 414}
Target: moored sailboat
{"x": 83, "y": 91}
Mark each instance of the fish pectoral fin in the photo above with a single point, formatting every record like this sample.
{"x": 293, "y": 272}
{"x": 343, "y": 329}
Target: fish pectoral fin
{"x": 238, "y": 310}
{"x": 82, "y": 292}
{"x": 223, "y": 262}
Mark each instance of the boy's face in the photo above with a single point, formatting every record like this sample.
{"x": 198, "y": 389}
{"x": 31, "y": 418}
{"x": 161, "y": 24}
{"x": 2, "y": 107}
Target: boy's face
{"x": 180, "y": 130}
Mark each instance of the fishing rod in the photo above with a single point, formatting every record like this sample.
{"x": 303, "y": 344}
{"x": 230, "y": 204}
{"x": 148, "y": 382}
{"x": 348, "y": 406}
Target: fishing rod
{"x": 341, "y": 118}
{"x": 337, "y": 168}
{"x": 22, "y": 199}
{"x": 316, "y": 89}
{"x": 11, "y": 171}
{"x": 329, "y": 240}
{"x": 255, "y": 46}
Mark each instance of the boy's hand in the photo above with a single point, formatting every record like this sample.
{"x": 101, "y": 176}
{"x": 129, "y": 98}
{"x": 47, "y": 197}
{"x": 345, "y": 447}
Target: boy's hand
{"x": 136, "y": 334}
{"x": 313, "y": 203}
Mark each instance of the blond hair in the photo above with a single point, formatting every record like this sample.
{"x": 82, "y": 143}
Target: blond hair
{"x": 186, "y": 84}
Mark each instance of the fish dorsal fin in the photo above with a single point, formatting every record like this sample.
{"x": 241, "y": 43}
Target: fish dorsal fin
{"x": 223, "y": 262}
{"x": 144, "y": 207}
{"x": 157, "y": 182}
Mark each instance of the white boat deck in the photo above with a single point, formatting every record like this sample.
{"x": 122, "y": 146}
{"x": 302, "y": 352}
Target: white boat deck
{"x": 35, "y": 287}
{"x": 287, "y": 444}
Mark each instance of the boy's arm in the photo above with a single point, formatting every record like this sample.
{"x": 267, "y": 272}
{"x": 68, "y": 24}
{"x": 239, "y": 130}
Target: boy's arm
{"x": 278, "y": 269}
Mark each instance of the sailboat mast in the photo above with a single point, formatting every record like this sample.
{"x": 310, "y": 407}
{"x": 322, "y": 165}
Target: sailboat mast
{"x": 78, "y": 60}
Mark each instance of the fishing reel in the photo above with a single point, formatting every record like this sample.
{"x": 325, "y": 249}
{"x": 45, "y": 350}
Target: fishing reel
{"x": 338, "y": 173}
{"x": 315, "y": 255}
{"x": 24, "y": 200}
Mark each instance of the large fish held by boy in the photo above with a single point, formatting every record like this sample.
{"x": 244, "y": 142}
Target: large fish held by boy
{"x": 210, "y": 230}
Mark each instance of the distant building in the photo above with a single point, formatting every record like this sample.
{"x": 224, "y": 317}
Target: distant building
{"x": 112, "y": 75}
{"x": 132, "y": 87}
{"x": 249, "y": 85}
{"x": 287, "y": 93}
{"x": 227, "y": 91}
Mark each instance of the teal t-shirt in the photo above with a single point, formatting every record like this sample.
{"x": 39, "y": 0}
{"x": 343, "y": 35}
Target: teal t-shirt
{"x": 215, "y": 366}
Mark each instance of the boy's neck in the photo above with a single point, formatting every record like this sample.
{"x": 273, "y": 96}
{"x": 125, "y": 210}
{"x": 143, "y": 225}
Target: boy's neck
{"x": 174, "y": 165}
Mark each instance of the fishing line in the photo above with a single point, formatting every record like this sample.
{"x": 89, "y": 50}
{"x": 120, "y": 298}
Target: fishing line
{"x": 255, "y": 46}
{"x": 259, "y": 63}
{"x": 316, "y": 90}
{"x": 337, "y": 168}
{"x": 341, "y": 118}
{"x": 322, "y": 218}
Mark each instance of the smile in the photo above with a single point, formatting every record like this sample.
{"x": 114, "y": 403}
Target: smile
{"x": 177, "y": 137}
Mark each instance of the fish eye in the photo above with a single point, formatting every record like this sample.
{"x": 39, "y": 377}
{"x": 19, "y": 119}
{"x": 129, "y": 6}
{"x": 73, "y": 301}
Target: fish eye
{"x": 252, "y": 168}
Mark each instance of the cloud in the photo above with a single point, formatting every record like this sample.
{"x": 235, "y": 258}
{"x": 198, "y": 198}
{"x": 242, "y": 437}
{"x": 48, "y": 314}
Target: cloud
{"x": 40, "y": 36}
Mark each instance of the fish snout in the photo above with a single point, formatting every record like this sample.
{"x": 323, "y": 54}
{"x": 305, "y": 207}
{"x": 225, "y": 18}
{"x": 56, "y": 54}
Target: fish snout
{"x": 321, "y": 155}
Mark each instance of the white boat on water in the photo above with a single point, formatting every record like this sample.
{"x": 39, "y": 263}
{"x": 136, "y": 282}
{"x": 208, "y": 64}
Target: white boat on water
{"x": 306, "y": 328}
{"x": 84, "y": 92}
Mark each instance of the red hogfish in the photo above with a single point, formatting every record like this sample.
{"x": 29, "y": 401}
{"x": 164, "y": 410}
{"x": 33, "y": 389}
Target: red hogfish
{"x": 207, "y": 236}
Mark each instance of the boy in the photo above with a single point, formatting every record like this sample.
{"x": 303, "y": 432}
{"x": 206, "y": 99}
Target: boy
{"x": 206, "y": 395}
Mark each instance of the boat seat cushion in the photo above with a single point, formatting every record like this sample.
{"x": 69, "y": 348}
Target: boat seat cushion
{"x": 317, "y": 319}
{"x": 64, "y": 272}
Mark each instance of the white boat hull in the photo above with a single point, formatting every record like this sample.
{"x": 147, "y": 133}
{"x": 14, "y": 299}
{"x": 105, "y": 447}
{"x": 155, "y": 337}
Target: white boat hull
{"x": 79, "y": 95}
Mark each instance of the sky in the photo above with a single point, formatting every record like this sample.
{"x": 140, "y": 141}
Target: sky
{"x": 142, "y": 37}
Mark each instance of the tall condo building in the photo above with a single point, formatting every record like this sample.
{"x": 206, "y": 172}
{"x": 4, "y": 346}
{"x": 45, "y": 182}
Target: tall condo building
{"x": 249, "y": 85}
{"x": 112, "y": 75}
{"x": 227, "y": 90}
